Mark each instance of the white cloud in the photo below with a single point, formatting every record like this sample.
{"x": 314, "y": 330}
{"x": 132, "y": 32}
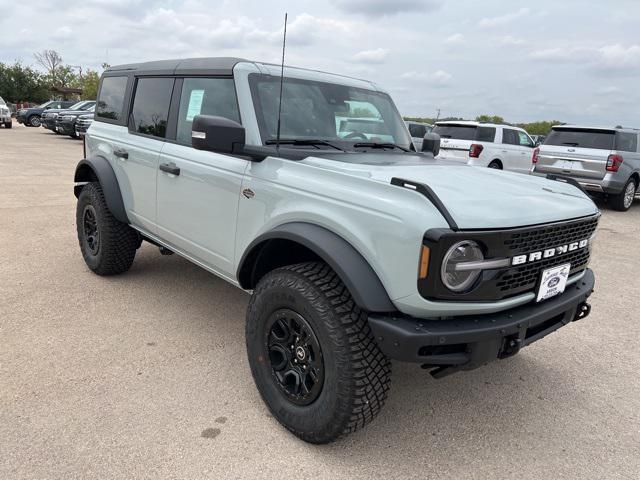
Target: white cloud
{"x": 439, "y": 78}
{"x": 607, "y": 58}
{"x": 513, "y": 41}
{"x": 377, "y": 8}
{"x": 456, "y": 39}
{"x": 379, "y": 55}
{"x": 491, "y": 22}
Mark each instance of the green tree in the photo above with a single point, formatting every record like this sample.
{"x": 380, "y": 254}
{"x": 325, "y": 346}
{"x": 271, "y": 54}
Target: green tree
{"x": 490, "y": 119}
{"x": 89, "y": 85}
{"x": 19, "y": 83}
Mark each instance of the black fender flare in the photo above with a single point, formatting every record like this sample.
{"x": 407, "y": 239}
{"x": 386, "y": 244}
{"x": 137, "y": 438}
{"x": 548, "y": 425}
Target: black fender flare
{"x": 356, "y": 273}
{"x": 99, "y": 168}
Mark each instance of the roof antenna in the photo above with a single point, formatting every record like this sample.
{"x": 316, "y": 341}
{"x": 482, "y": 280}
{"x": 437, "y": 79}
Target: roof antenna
{"x": 284, "y": 43}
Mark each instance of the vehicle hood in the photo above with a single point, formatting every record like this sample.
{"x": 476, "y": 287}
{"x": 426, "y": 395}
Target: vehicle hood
{"x": 476, "y": 198}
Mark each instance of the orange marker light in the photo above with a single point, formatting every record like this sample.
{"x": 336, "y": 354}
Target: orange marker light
{"x": 424, "y": 263}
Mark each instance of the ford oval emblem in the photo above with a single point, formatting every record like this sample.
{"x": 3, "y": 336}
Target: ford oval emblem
{"x": 553, "y": 282}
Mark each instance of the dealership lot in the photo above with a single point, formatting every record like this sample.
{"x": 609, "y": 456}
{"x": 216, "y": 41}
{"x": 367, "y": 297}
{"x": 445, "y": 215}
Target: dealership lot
{"x": 145, "y": 374}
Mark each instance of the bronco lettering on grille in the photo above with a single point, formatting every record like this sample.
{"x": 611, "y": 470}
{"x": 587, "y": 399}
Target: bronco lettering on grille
{"x": 548, "y": 253}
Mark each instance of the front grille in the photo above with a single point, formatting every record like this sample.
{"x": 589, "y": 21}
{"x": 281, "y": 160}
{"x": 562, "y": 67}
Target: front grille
{"x": 500, "y": 284}
{"x": 550, "y": 236}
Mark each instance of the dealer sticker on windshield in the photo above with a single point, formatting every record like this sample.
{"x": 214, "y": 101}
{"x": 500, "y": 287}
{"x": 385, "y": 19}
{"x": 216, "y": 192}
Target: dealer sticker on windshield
{"x": 553, "y": 282}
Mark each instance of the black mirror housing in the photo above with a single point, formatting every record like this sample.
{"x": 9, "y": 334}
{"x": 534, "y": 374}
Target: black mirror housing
{"x": 431, "y": 144}
{"x": 217, "y": 134}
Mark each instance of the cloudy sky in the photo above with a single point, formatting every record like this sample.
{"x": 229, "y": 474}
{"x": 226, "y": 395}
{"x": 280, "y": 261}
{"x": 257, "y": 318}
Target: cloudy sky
{"x": 569, "y": 60}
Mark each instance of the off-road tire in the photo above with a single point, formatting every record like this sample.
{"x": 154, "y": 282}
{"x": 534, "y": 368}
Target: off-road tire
{"x": 34, "y": 121}
{"x": 117, "y": 243}
{"x": 356, "y": 372}
{"x": 617, "y": 202}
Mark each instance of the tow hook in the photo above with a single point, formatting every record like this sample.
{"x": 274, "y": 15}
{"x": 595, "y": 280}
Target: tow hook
{"x": 583, "y": 310}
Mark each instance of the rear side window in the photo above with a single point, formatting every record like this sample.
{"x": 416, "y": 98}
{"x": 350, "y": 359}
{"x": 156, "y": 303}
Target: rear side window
{"x": 524, "y": 140}
{"x": 458, "y": 132}
{"x": 581, "y": 138}
{"x": 111, "y": 102}
{"x": 417, "y": 130}
{"x": 150, "y": 111}
{"x": 626, "y": 142}
{"x": 205, "y": 96}
{"x": 510, "y": 137}
{"x": 486, "y": 134}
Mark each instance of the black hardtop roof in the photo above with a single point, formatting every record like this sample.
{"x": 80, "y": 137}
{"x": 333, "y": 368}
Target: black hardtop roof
{"x": 187, "y": 66}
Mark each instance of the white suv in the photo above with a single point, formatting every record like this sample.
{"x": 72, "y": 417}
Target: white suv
{"x": 486, "y": 145}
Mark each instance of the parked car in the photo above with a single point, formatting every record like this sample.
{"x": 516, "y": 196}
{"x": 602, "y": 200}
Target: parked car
{"x": 502, "y": 147}
{"x": 83, "y": 123}
{"x": 66, "y": 121}
{"x": 31, "y": 117}
{"x": 48, "y": 118}
{"x": 605, "y": 161}
{"x": 417, "y": 131}
{"x": 355, "y": 250}
{"x": 5, "y": 114}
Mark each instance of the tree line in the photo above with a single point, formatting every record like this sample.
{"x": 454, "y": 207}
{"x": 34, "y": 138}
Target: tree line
{"x": 23, "y": 83}
{"x": 542, "y": 127}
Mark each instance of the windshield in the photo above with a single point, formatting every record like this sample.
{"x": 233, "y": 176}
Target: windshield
{"x": 44, "y": 105}
{"x": 339, "y": 114}
{"x": 458, "y": 132}
{"x": 581, "y": 137}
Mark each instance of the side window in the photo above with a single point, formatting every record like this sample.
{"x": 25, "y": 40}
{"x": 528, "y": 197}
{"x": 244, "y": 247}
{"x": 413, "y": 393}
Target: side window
{"x": 524, "y": 140}
{"x": 205, "y": 96}
{"x": 509, "y": 137}
{"x": 486, "y": 134}
{"x": 151, "y": 106}
{"x": 627, "y": 142}
{"x": 111, "y": 102}
{"x": 417, "y": 130}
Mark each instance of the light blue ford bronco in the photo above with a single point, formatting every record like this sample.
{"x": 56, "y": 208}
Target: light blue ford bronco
{"x": 357, "y": 248}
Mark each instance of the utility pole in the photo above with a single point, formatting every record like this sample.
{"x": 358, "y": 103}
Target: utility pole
{"x": 438, "y": 116}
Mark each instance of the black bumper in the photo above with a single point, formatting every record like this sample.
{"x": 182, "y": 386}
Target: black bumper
{"x": 465, "y": 343}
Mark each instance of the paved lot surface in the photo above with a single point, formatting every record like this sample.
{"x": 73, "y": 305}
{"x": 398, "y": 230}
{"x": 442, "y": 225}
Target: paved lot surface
{"x": 145, "y": 376}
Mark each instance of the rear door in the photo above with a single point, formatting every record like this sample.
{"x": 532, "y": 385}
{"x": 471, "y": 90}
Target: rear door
{"x": 510, "y": 149}
{"x": 579, "y": 152}
{"x": 522, "y": 163}
{"x": 135, "y": 155}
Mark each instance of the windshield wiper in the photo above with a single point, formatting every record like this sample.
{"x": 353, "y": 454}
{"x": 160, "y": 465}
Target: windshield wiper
{"x": 303, "y": 142}
{"x": 380, "y": 145}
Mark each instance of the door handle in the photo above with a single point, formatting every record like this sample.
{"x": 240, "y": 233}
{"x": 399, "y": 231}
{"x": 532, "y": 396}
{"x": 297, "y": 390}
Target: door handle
{"x": 170, "y": 168}
{"x": 120, "y": 153}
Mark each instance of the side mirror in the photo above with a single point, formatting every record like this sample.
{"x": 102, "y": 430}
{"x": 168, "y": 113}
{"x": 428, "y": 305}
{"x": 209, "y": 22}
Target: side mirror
{"x": 431, "y": 144}
{"x": 217, "y": 134}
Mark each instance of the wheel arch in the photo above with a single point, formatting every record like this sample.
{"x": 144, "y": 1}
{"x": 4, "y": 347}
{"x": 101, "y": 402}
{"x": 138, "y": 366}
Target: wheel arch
{"x": 298, "y": 242}
{"x": 98, "y": 169}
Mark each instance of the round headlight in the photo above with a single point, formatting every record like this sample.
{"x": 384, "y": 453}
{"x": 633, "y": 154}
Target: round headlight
{"x": 460, "y": 280}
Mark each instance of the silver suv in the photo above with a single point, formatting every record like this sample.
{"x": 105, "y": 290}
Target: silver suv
{"x": 357, "y": 248}
{"x": 603, "y": 160}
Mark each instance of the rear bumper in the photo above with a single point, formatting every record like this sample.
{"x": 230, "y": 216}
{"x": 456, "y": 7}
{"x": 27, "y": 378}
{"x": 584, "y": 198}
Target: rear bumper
{"x": 465, "y": 343}
{"x": 610, "y": 184}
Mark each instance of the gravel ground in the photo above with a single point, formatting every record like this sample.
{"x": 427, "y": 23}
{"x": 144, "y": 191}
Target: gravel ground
{"x": 145, "y": 375}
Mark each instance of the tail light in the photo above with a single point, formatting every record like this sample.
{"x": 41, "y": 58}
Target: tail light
{"x": 475, "y": 150}
{"x": 536, "y": 152}
{"x": 614, "y": 162}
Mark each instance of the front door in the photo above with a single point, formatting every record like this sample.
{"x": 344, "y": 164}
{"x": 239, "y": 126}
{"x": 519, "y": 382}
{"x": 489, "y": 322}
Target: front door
{"x": 198, "y": 191}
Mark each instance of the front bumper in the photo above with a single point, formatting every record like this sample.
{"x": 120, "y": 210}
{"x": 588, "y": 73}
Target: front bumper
{"x": 66, "y": 127}
{"x": 5, "y": 118}
{"x": 468, "y": 342}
